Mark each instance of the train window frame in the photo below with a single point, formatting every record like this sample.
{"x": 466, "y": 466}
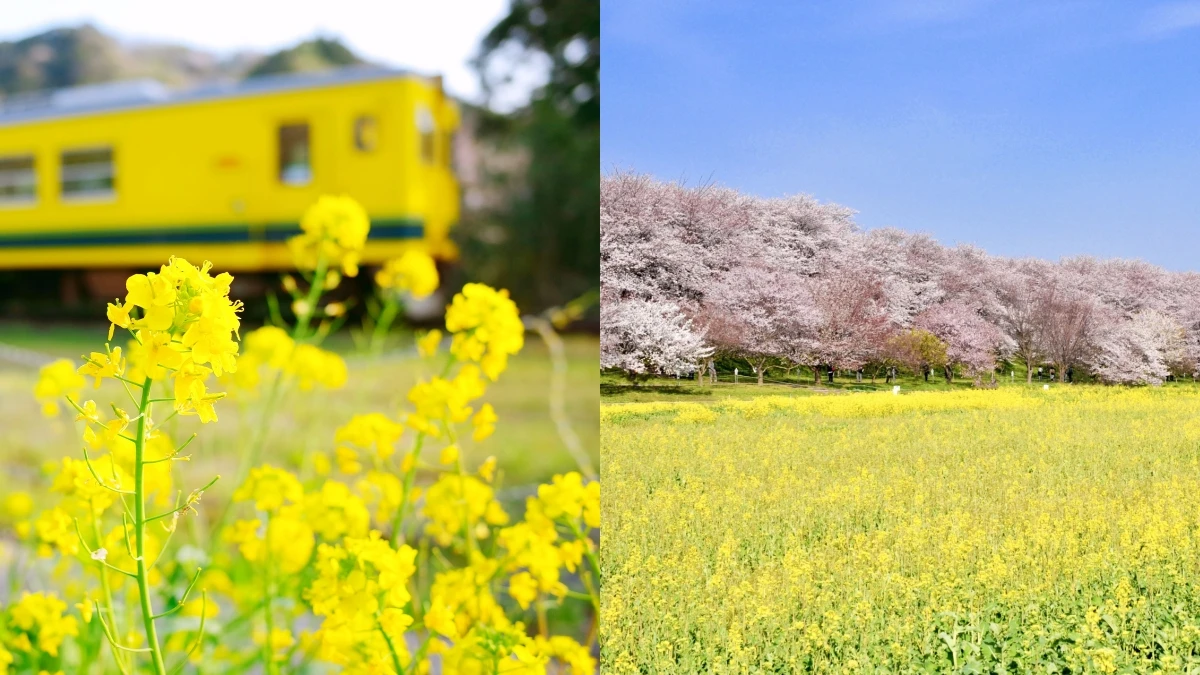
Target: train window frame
{"x": 18, "y": 199}
{"x": 366, "y": 132}
{"x": 426, "y": 135}
{"x": 87, "y": 194}
{"x": 283, "y": 164}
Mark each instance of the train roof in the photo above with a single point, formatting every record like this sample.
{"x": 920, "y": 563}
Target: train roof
{"x": 132, "y": 94}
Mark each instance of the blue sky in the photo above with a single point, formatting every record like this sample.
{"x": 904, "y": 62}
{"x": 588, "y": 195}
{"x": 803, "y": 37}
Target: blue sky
{"x": 1047, "y": 128}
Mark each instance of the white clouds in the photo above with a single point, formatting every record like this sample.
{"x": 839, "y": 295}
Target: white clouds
{"x": 1163, "y": 21}
{"x": 430, "y": 37}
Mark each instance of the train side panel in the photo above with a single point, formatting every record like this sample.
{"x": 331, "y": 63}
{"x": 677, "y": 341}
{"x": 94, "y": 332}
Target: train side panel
{"x": 204, "y": 179}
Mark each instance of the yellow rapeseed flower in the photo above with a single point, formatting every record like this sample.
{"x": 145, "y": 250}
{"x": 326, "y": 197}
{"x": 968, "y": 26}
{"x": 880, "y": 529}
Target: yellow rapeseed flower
{"x": 487, "y": 327}
{"x": 55, "y": 381}
{"x": 414, "y": 271}
{"x": 335, "y": 227}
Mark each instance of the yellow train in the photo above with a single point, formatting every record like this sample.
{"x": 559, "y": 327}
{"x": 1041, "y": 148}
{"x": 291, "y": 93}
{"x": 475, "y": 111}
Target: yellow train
{"x": 125, "y": 175}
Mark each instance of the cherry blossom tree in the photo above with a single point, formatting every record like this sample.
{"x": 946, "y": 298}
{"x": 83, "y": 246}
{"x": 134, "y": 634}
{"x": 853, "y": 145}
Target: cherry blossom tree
{"x": 842, "y": 325}
{"x": 795, "y": 280}
{"x": 908, "y": 266}
{"x": 1067, "y": 323}
{"x": 1140, "y": 350}
{"x": 751, "y": 311}
{"x": 971, "y": 342}
{"x": 1017, "y": 292}
{"x": 645, "y": 338}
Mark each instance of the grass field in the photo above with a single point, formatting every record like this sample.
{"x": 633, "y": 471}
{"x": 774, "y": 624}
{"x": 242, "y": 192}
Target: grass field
{"x": 525, "y": 443}
{"x": 614, "y": 388}
{"x": 1007, "y": 531}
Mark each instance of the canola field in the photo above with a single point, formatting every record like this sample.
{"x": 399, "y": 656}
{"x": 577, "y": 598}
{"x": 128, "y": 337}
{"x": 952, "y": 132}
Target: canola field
{"x": 1009, "y": 531}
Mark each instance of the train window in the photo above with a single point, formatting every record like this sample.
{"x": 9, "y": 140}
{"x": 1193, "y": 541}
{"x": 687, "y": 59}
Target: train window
{"x": 295, "y": 165}
{"x": 18, "y": 181}
{"x": 87, "y": 173}
{"x": 428, "y": 130}
{"x": 366, "y": 133}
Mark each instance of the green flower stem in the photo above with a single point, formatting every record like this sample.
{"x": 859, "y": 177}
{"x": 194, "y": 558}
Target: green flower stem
{"x": 106, "y": 587}
{"x": 468, "y": 531}
{"x": 391, "y": 648}
{"x": 139, "y": 526}
{"x": 251, "y": 458}
{"x": 409, "y": 478}
{"x": 540, "y": 608}
{"x": 593, "y": 563}
{"x": 415, "y": 664}
{"x": 391, "y": 307}
{"x": 268, "y": 652}
{"x": 314, "y": 294}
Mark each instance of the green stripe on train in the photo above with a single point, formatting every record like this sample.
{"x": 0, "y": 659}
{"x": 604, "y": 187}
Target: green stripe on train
{"x": 234, "y": 233}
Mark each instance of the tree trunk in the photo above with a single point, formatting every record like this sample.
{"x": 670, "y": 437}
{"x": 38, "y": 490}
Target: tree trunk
{"x": 949, "y": 374}
{"x": 1062, "y": 373}
{"x": 816, "y": 375}
{"x": 1028, "y": 373}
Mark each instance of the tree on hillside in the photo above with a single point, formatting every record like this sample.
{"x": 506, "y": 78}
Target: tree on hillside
{"x": 646, "y": 338}
{"x": 310, "y": 55}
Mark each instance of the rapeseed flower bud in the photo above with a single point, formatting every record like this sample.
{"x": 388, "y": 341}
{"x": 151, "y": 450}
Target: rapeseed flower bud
{"x": 312, "y": 365}
{"x": 414, "y": 271}
{"x": 334, "y": 228}
{"x": 484, "y": 422}
{"x": 335, "y": 512}
{"x": 360, "y": 590}
{"x": 427, "y": 344}
{"x": 270, "y": 488}
{"x": 55, "y": 381}
{"x": 373, "y": 432}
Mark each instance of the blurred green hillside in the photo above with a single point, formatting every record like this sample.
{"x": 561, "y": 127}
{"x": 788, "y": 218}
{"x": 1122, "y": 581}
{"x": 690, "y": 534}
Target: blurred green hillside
{"x": 67, "y": 57}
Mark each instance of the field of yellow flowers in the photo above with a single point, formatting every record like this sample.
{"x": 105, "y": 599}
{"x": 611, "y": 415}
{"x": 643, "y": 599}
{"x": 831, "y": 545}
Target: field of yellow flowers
{"x": 341, "y": 562}
{"x": 1008, "y": 531}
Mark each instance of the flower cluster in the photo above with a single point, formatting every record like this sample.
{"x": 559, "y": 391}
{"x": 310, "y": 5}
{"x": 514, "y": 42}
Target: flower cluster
{"x": 360, "y": 591}
{"x": 333, "y": 233}
{"x": 185, "y": 327}
{"x": 56, "y": 381}
{"x": 415, "y": 272}
{"x": 486, "y": 326}
{"x": 271, "y": 353}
